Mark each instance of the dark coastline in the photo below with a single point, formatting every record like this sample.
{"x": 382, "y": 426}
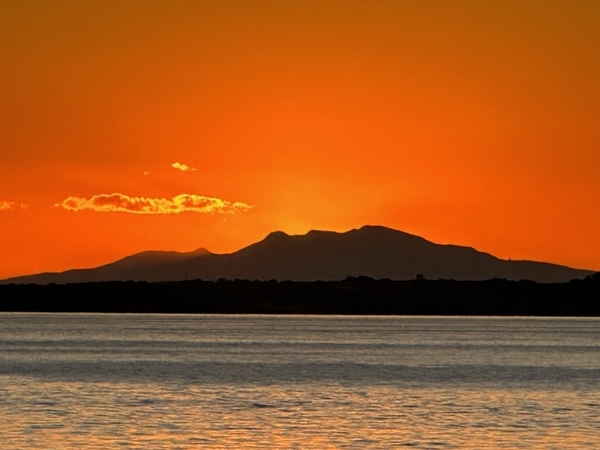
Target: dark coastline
{"x": 352, "y": 296}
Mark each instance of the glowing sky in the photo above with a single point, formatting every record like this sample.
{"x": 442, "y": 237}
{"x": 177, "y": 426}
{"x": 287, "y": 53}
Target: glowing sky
{"x": 135, "y": 125}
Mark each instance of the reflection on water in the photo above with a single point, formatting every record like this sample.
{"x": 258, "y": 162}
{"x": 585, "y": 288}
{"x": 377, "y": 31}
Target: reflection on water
{"x": 165, "y": 382}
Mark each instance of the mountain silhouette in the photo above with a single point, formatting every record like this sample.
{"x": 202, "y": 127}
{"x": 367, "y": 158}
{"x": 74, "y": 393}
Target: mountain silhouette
{"x": 373, "y": 251}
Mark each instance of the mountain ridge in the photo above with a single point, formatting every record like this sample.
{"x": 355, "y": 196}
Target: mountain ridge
{"x": 372, "y": 250}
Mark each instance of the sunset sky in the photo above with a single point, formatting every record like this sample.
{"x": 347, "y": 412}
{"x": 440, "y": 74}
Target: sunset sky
{"x": 171, "y": 125}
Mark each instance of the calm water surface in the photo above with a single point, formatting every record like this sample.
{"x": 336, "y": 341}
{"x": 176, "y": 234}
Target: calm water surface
{"x": 211, "y": 382}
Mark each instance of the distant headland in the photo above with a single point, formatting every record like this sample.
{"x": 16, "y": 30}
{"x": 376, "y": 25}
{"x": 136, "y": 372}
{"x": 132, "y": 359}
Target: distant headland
{"x": 371, "y": 251}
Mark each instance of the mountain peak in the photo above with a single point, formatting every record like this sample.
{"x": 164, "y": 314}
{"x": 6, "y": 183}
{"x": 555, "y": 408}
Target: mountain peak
{"x": 200, "y": 251}
{"x": 381, "y": 229}
{"x": 276, "y": 235}
{"x": 376, "y": 227}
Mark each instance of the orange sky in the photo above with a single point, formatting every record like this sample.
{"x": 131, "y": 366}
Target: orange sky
{"x": 474, "y": 123}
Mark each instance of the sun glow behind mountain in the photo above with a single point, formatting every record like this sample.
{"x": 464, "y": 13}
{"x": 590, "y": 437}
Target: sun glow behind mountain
{"x": 174, "y": 125}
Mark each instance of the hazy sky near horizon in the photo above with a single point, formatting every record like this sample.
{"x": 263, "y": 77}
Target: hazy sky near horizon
{"x": 135, "y": 125}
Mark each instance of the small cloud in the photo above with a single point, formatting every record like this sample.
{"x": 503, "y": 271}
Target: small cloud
{"x": 9, "y": 206}
{"x": 147, "y": 172}
{"x": 141, "y": 205}
{"x": 183, "y": 167}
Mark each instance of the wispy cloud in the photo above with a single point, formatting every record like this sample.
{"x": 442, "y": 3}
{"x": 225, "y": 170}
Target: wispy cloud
{"x": 7, "y": 206}
{"x": 142, "y": 205}
{"x": 183, "y": 167}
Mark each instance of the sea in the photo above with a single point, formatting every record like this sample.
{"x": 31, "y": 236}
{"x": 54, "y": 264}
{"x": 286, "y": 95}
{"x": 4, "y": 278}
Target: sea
{"x": 128, "y": 381}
